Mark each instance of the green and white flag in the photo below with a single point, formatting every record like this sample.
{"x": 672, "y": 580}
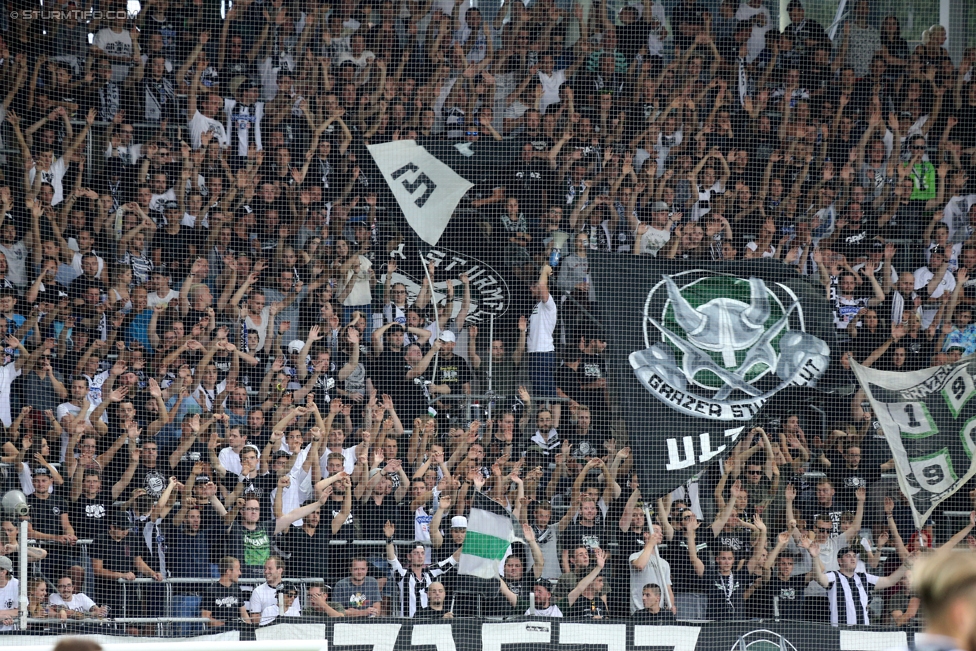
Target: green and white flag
{"x": 929, "y": 421}
{"x": 489, "y": 536}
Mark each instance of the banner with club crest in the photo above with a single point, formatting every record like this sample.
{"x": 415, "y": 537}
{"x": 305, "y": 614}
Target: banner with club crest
{"x": 698, "y": 351}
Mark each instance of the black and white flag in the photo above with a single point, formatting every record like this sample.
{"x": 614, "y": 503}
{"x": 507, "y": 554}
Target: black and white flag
{"x": 928, "y": 418}
{"x": 701, "y": 352}
{"x": 426, "y": 189}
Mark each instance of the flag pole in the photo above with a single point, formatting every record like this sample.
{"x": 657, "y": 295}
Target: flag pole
{"x": 491, "y": 338}
{"x": 433, "y": 301}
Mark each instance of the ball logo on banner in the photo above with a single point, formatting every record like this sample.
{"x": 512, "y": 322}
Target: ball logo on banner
{"x": 762, "y": 640}
{"x": 719, "y": 346}
{"x": 490, "y": 294}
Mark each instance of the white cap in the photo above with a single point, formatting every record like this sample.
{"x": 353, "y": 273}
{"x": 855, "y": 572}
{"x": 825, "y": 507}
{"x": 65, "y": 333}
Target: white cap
{"x": 296, "y": 346}
{"x": 459, "y": 522}
{"x": 448, "y": 336}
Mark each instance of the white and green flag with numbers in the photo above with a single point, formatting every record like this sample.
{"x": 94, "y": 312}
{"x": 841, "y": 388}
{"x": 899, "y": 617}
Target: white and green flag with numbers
{"x": 929, "y": 420}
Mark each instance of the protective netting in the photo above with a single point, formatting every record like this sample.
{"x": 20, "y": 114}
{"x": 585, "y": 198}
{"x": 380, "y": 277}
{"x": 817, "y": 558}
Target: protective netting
{"x": 529, "y": 319}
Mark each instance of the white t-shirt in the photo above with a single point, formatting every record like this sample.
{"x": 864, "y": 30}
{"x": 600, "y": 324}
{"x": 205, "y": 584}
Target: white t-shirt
{"x": 155, "y": 299}
{"x": 348, "y": 464}
{"x": 16, "y": 255}
{"x": 653, "y": 241}
{"x": 79, "y": 602}
{"x": 8, "y": 374}
{"x": 130, "y": 155}
{"x": 54, "y": 177}
{"x": 117, "y": 45}
{"x": 650, "y": 574}
{"x": 542, "y": 323}
{"x": 550, "y": 88}
{"x": 10, "y": 598}
{"x": 930, "y": 306}
{"x": 360, "y": 294}
{"x": 551, "y": 611}
{"x": 200, "y": 124}
{"x": 264, "y": 600}
{"x": 230, "y": 460}
{"x": 205, "y": 397}
{"x": 157, "y": 203}
{"x": 256, "y": 334}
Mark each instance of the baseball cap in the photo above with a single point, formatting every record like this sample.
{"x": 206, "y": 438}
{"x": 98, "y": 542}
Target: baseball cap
{"x": 121, "y": 520}
{"x": 939, "y": 249}
{"x": 844, "y": 550}
{"x": 172, "y": 205}
{"x": 41, "y": 470}
{"x": 296, "y": 346}
{"x": 288, "y": 588}
{"x": 203, "y": 479}
{"x": 447, "y": 336}
{"x": 5, "y": 564}
{"x": 459, "y": 522}
{"x": 279, "y": 454}
{"x": 548, "y": 584}
{"x": 659, "y": 206}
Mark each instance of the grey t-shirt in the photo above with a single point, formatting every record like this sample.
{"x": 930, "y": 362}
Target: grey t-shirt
{"x": 358, "y": 597}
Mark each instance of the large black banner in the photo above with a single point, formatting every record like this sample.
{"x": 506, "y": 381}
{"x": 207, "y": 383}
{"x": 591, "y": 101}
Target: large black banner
{"x": 697, "y": 351}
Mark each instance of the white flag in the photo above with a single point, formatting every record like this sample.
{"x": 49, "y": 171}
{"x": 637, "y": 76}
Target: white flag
{"x": 426, "y": 189}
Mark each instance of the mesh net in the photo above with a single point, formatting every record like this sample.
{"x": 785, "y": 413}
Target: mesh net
{"x": 633, "y": 325}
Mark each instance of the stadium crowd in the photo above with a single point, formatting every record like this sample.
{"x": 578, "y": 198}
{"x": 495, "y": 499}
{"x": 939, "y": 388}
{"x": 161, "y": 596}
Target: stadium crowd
{"x": 210, "y": 372}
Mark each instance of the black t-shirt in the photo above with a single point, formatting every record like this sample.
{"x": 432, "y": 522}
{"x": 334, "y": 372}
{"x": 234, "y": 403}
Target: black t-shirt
{"x": 725, "y": 594}
{"x": 224, "y": 603}
{"x": 584, "y": 608}
{"x": 645, "y": 616}
{"x": 788, "y": 595}
{"x": 428, "y": 613}
{"x": 846, "y": 481}
{"x": 736, "y": 539}
{"x": 87, "y": 515}
{"x": 569, "y": 380}
{"x": 373, "y": 516}
{"x": 577, "y": 535}
{"x": 683, "y": 575}
{"x": 197, "y": 452}
{"x": 45, "y": 515}
{"x": 116, "y": 556}
{"x": 384, "y": 371}
{"x": 631, "y": 38}
{"x": 153, "y": 480}
{"x": 453, "y": 372}
{"x": 260, "y": 487}
{"x": 314, "y": 551}
{"x": 411, "y": 391}
{"x": 173, "y": 247}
